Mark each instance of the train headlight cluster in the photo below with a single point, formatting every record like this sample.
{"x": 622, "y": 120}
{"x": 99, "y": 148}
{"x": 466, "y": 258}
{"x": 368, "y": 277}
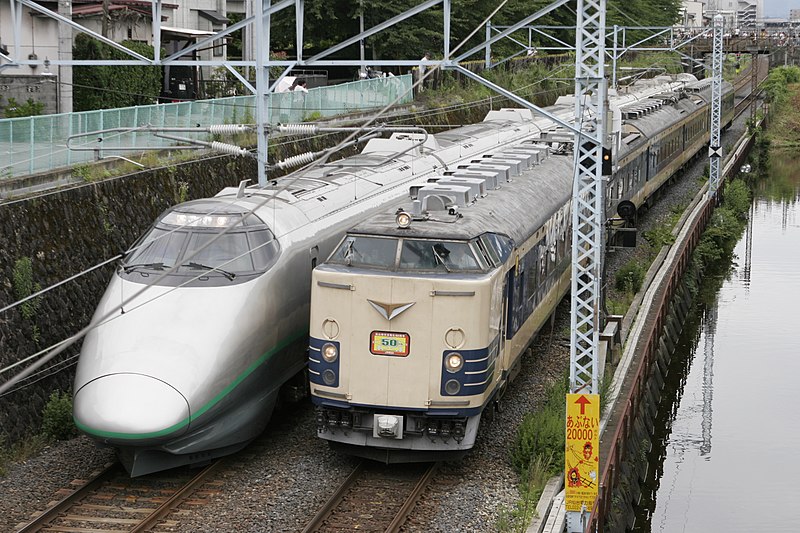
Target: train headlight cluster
{"x": 329, "y": 352}
{"x": 454, "y": 362}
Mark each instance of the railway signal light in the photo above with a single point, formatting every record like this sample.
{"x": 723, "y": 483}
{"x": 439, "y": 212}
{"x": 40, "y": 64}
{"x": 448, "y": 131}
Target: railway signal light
{"x": 607, "y": 162}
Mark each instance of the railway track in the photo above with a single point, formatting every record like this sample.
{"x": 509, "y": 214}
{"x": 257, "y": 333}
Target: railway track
{"x": 113, "y": 501}
{"x": 375, "y": 497}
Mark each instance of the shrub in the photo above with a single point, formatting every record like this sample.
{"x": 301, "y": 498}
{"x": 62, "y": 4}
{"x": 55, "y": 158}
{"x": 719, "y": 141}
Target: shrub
{"x": 28, "y": 109}
{"x": 629, "y": 277}
{"x": 104, "y": 87}
{"x": 541, "y": 433}
{"x": 57, "y": 421}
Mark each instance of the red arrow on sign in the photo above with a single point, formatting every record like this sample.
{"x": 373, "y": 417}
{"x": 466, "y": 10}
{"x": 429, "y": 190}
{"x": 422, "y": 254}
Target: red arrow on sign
{"x": 583, "y": 402}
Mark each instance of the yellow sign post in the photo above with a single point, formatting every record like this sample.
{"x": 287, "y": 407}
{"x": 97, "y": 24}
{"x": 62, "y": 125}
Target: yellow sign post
{"x": 582, "y": 453}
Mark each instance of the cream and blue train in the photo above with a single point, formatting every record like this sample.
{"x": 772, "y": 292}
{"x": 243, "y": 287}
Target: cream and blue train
{"x": 421, "y": 314}
{"x": 192, "y": 367}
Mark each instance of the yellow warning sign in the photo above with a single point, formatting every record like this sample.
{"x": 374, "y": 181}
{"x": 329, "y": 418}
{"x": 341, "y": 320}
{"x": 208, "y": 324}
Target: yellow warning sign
{"x": 582, "y": 453}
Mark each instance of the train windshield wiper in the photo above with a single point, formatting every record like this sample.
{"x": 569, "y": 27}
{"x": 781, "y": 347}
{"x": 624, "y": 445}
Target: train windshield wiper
{"x": 229, "y": 275}
{"x": 152, "y": 266}
{"x": 439, "y": 258}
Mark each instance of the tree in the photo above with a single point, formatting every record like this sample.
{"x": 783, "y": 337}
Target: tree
{"x": 104, "y": 87}
{"x": 328, "y": 22}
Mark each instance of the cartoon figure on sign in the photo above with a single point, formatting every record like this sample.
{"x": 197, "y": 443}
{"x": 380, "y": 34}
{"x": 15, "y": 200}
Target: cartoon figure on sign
{"x": 574, "y": 477}
{"x": 587, "y": 451}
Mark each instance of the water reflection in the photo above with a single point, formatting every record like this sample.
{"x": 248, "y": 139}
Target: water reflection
{"x": 737, "y": 360}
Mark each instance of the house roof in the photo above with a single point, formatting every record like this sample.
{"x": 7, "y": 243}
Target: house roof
{"x": 214, "y": 16}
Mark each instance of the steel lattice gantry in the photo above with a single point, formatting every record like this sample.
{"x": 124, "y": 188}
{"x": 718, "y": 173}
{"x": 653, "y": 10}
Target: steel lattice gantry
{"x": 715, "y": 148}
{"x": 588, "y": 220}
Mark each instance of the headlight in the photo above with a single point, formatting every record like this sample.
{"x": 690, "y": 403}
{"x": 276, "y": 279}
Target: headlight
{"x": 453, "y": 362}
{"x": 452, "y": 387}
{"x": 403, "y": 220}
{"x": 329, "y": 377}
{"x": 329, "y": 352}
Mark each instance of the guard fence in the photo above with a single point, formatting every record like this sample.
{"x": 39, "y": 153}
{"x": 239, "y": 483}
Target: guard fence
{"x": 38, "y": 144}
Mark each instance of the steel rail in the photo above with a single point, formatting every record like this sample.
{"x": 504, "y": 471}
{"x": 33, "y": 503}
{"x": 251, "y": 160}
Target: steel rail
{"x": 411, "y": 501}
{"x": 180, "y": 495}
{"x": 334, "y": 500}
{"x": 348, "y": 490}
{"x": 53, "y": 512}
{"x": 44, "y": 521}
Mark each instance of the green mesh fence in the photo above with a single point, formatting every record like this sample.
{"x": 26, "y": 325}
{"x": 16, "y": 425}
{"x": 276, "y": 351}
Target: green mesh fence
{"x": 39, "y": 144}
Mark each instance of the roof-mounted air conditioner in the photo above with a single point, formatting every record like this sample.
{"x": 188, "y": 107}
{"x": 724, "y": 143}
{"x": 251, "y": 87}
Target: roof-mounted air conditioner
{"x": 458, "y": 195}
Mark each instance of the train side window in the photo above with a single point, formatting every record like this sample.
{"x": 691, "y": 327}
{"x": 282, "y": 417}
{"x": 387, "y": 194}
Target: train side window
{"x": 487, "y": 251}
{"x": 264, "y": 248}
{"x": 501, "y": 245}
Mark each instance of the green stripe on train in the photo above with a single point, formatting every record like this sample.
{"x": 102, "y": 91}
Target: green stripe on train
{"x": 214, "y": 401}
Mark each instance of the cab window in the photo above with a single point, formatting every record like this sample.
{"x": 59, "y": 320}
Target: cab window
{"x": 435, "y": 255}
{"x": 361, "y": 251}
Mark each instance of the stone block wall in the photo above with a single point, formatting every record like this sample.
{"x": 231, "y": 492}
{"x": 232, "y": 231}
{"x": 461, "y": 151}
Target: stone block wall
{"x": 62, "y": 234}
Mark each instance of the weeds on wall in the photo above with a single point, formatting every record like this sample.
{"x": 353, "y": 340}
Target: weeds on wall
{"x": 24, "y": 286}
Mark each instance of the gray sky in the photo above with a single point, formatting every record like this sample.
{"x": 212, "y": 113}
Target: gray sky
{"x": 780, "y": 8}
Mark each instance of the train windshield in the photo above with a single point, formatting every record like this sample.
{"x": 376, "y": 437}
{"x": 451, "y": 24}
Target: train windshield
{"x": 438, "y": 255}
{"x": 370, "y": 252}
{"x": 216, "y": 249}
{"x": 416, "y": 255}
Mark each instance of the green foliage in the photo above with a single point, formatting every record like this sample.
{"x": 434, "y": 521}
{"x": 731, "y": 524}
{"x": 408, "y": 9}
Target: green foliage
{"x": 659, "y": 236}
{"x": 313, "y": 116}
{"x": 30, "y": 108}
{"x": 541, "y": 433}
{"x": 539, "y": 471}
{"x": 183, "y": 192}
{"x": 21, "y": 451}
{"x": 24, "y": 286}
{"x": 332, "y": 22}
{"x": 57, "y": 423}
{"x": 105, "y": 87}
{"x": 727, "y": 224}
{"x": 776, "y": 84}
{"x": 629, "y": 277}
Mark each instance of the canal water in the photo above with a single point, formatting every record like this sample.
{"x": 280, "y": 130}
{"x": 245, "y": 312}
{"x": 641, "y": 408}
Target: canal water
{"x": 726, "y": 450}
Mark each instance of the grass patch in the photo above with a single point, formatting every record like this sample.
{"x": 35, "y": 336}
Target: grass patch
{"x": 538, "y": 455}
{"x": 57, "y": 424}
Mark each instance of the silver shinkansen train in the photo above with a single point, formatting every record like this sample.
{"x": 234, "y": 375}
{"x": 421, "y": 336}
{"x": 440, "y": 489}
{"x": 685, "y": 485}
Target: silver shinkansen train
{"x": 192, "y": 367}
{"x": 421, "y": 314}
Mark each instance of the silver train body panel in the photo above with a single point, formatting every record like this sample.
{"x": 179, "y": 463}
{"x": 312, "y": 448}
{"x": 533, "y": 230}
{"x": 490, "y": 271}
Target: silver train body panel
{"x": 417, "y": 329}
{"x": 192, "y": 367}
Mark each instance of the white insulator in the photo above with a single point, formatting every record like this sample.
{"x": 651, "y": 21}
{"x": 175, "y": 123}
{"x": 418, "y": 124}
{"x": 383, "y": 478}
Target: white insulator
{"x": 298, "y": 129}
{"x": 228, "y": 148}
{"x": 296, "y": 160}
{"x": 224, "y": 129}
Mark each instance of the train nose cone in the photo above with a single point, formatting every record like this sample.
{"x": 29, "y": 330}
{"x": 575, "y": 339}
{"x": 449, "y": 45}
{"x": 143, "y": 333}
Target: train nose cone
{"x": 126, "y": 408}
